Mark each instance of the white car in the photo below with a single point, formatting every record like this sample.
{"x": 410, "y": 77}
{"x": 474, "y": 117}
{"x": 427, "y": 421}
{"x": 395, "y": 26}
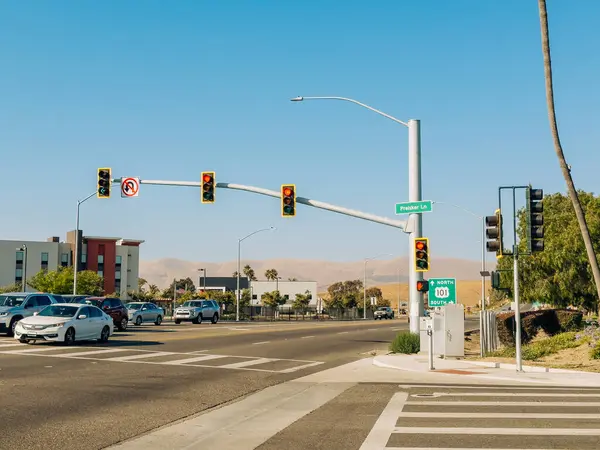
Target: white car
{"x": 65, "y": 322}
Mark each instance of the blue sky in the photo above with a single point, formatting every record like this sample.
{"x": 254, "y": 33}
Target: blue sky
{"x": 165, "y": 90}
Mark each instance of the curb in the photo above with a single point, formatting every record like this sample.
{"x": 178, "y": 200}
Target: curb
{"x": 539, "y": 369}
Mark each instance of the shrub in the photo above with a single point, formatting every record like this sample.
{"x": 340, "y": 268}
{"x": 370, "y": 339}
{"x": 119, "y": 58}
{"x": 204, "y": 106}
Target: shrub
{"x": 550, "y": 320}
{"x": 595, "y": 351}
{"x": 545, "y": 347}
{"x": 406, "y": 343}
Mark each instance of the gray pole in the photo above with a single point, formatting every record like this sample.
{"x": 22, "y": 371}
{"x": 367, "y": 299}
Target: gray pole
{"x": 482, "y": 334}
{"x": 414, "y": 195}
{"x": 517, "y": 310}
{"x": 237, "y": 299}
{"x": 24, "y": 283}
{"x": 399, "y": 284}
{"x": 204, "y": 282}
{"x": 76, "y": 256}
{"x": 365, "y": 292}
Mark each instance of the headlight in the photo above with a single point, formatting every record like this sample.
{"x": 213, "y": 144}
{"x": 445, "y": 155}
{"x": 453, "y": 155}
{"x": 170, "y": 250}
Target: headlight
{"x": 3, "y": 314}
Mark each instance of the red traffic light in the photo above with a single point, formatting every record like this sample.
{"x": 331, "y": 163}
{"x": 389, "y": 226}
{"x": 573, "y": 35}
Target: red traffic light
{"x": 423, "y": 286}
{"x": 207, "y": 178}
{"x": 287, "y": 192}
{"x": 420, "y": 245}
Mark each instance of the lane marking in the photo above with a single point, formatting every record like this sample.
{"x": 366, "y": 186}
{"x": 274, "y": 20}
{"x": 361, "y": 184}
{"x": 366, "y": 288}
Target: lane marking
{"x": 500, "y": 431}
{"x": 458, "y": 448}
{"x": 306, "y": 337}
{"x": 189, "y": 360}
{"x": 294, "y": 369}
{"x": 512, "y": 394}
{"x": 343, "y": 332}
{"x": 247, "y": 363}
{"x": 142, "y": 356}
{"x": 30, "y": 350}
{"x": 382, "y": 430}
{"x": 434, "y": 403}
{"x": 15, "y": 344}
{"x": 511, "y": 388}
{"x": 453, "y": 415}
{"x": 94, "y": 352}
{"x": 260, "y": 343}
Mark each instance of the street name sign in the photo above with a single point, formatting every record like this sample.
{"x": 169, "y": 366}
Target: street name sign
{"x": 442, "y": 291}
{"x": 414, "y": 207}
{"x": 130, "y": 187}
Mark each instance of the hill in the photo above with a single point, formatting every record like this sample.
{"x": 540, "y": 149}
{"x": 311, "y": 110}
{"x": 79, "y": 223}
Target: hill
{"x": 379, "y": 272}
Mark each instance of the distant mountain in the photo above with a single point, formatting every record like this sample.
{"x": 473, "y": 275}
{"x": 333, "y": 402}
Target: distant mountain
{"x": 162, "y": 271}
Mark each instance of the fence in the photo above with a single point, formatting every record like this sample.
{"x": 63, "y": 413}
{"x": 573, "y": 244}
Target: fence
{"x": 489, "y": 331}
{"x": 271, "y": 314}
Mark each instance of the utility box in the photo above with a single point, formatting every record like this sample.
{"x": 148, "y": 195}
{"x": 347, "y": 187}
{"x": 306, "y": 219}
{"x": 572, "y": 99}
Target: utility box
{"x": 448, "y": 331}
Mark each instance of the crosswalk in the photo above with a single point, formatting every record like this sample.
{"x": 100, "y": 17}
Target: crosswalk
{"x": 479, "y": 417}
{"x": 166, "y": 358}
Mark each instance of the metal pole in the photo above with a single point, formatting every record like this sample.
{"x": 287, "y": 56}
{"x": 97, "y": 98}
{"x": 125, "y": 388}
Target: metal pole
{"x": 204, "y": 281}
{"x": 24, "y": 283}
{"x": 365, "y": 291}
{"x": 414, "y": 195}
{"x": 76, "y": 256}
{"x": 482, "y": 332}
{"x": 430, "y": 335}
{"x": 237, "y": 303}
{"x": 174, "y": 294}
{"x": 516, "y": 287}
{"x": 399, "y": 284}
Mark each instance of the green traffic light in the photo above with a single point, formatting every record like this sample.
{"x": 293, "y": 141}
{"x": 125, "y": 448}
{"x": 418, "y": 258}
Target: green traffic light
{"x": 208, "y": 196}
{"x": 288, "y": 209}
{"x": 422, "y": 264}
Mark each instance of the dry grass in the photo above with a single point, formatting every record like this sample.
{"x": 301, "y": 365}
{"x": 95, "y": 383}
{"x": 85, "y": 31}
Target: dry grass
{"x": 468, "y": 292}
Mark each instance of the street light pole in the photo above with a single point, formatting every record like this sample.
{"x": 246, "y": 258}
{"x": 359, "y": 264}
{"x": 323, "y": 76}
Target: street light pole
{"x": 23, "y": 248}
{"x": 76, "y": 255}
{"x": 416, "y": 299}
{"x": 203, "y": 278}
{"x": 238, "y": 294}
{"x": 365, "y": 282}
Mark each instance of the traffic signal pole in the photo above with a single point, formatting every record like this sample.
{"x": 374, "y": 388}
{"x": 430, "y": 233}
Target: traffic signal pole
{"x": 76, "y": 252}
{"x": 416, "y": 299}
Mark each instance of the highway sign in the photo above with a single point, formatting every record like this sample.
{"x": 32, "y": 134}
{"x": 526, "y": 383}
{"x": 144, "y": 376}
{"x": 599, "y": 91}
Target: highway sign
{"x": 130, "y": 187}
{"x": 414, "y": 207}
{"x": 442, "y": 291}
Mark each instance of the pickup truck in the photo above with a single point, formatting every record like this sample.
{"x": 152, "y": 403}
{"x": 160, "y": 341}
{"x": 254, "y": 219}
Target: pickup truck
{"x": 384, "y": 312}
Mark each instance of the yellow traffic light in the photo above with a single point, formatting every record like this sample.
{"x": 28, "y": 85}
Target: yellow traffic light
{"x": 288, "y": 200}
{"x": 208, "y": 187}
{"x": 104, "y": 179}
{"x": 421, "y": 254}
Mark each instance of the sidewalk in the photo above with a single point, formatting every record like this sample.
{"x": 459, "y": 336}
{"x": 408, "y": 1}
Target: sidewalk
{"x": 485, "y": 370}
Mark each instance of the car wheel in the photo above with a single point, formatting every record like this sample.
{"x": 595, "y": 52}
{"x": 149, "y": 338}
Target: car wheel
{"x": 13, "y": 325}
{"x": 138, "y": 321}
{"x": 69, "y": 336}
{"x": 177, "y": 321}
{"x": 104, "y": 335}
{"x": 158, "y": 320}
{"x": 215, "y": 318}
{"x": 123, "y": 324}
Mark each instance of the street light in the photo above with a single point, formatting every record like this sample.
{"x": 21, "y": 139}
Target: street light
{"x": 414, "y": 195}
{"x": 237, "y": 303}
{"x": 76, "y": 256}
{"x": 23, "y": 248}
{"x": 365, "y": 282}
{"x": 203, "y": 279}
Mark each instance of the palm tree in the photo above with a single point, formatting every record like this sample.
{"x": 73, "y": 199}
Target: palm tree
{"x": 249, "y": 272}
{"x": 234, "y": 274}
{"x": 271, "y": 274}
{"x": 566, "y": 170}
{"x": 141, "y": 283}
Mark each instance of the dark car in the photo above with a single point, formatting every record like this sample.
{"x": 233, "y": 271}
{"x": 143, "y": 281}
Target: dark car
{"x": 114, "y": 307}
{"x": 70, "y": 298}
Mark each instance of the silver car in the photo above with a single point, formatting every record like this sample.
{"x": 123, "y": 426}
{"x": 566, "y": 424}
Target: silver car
{"x": 15, "y": 306}
{"x": 196, "y": 311}
{"x": 140, "y": 312}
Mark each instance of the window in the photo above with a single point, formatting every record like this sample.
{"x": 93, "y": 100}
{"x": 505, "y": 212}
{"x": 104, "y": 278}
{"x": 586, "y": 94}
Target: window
{"x": 20, "y": 256}
{"x": 101, "y": 273}
{"x": 254, "y": 296}
{"x": 118, "y": 259}
{"x": 100, "y": 259}
{"x": 43, "y": 300}
{"x": 45, "y": 257}
{"x": 19, "y": 273}
{"x": 83, "y": 258}
{"x": 117, "y": 275}
{"x": 64, "y": 259}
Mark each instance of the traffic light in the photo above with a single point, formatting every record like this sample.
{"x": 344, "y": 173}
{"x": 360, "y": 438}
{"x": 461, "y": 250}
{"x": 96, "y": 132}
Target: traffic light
{"x": 535, "y": 220}
{"x": 495, "y": 276}
{"x": 494, "y": 232}
{"x": 208, "y": 187}
{"x": 423, "y": 286}
{"x": 288, "y": 200}
{"x": 104, "y": 177}
{"x": 421, "y": 254}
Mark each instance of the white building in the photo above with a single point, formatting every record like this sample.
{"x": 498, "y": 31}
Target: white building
{"x": 288, "y": 289}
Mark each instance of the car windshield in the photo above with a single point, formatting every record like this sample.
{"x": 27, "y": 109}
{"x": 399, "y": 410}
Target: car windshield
{"x": 89, "y": 301}
{"x": 58, "y": 311}
{"x": 382, "y": 308}
{"x": 11, "y": 300}
{"x": 191, "y": 304}
{"x": 133, "y": 305}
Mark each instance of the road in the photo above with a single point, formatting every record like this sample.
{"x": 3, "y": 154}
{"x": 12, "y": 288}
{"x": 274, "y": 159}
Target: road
{"x": 91, "y": 395}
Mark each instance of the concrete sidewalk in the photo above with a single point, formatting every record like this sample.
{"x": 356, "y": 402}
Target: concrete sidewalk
{"x": 485, "y": 370}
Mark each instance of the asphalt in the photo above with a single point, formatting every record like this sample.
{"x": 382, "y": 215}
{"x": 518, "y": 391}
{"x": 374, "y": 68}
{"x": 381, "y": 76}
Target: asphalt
{"x": 58, "y": 397}
{"x": 396, "y": 416}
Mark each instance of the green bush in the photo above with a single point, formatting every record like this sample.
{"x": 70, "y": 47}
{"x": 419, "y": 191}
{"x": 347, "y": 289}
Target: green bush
{"x": 545, "y": 347}
{"x": 550, "y": 320}
{"x": 595, "y": 351}
{"x": 407, "y": 343}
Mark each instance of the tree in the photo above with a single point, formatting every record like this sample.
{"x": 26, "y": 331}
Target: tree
{"x": 60, "y": 281}
{"x": 302, "y": 301}
{"x": 292, "y": 279}
{"x": 384, "y": 302}
{"x": 141, "y": 283}
{"x": 153, "y": 290}
{"x": 565, "y": 168}
{"x": 344, "y": 294}
{"x": 249, "y": 272}
{"x": 11, "y": 288}
{"x": 561, "y": 274}
{"x": 235, "y": 274}
{"x": 273, "y": 299}
{"x": 375, "y": 292}
{"x": 271, "y": 274}
{"x": 183, "y": 283}
{"x": 244, "y": 298}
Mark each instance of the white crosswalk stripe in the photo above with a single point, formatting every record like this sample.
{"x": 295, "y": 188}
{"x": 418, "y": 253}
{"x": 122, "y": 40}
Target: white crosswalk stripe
{"x": 477, "y": 417}
{"x": 142, "y": 356}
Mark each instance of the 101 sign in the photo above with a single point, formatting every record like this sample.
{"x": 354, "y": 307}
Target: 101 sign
{"x": 442, "y": 291}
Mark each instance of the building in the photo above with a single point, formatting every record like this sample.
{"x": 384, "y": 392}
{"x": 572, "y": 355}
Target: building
{"x": 287, "y": 289}
{"x": 113, "y": 258}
